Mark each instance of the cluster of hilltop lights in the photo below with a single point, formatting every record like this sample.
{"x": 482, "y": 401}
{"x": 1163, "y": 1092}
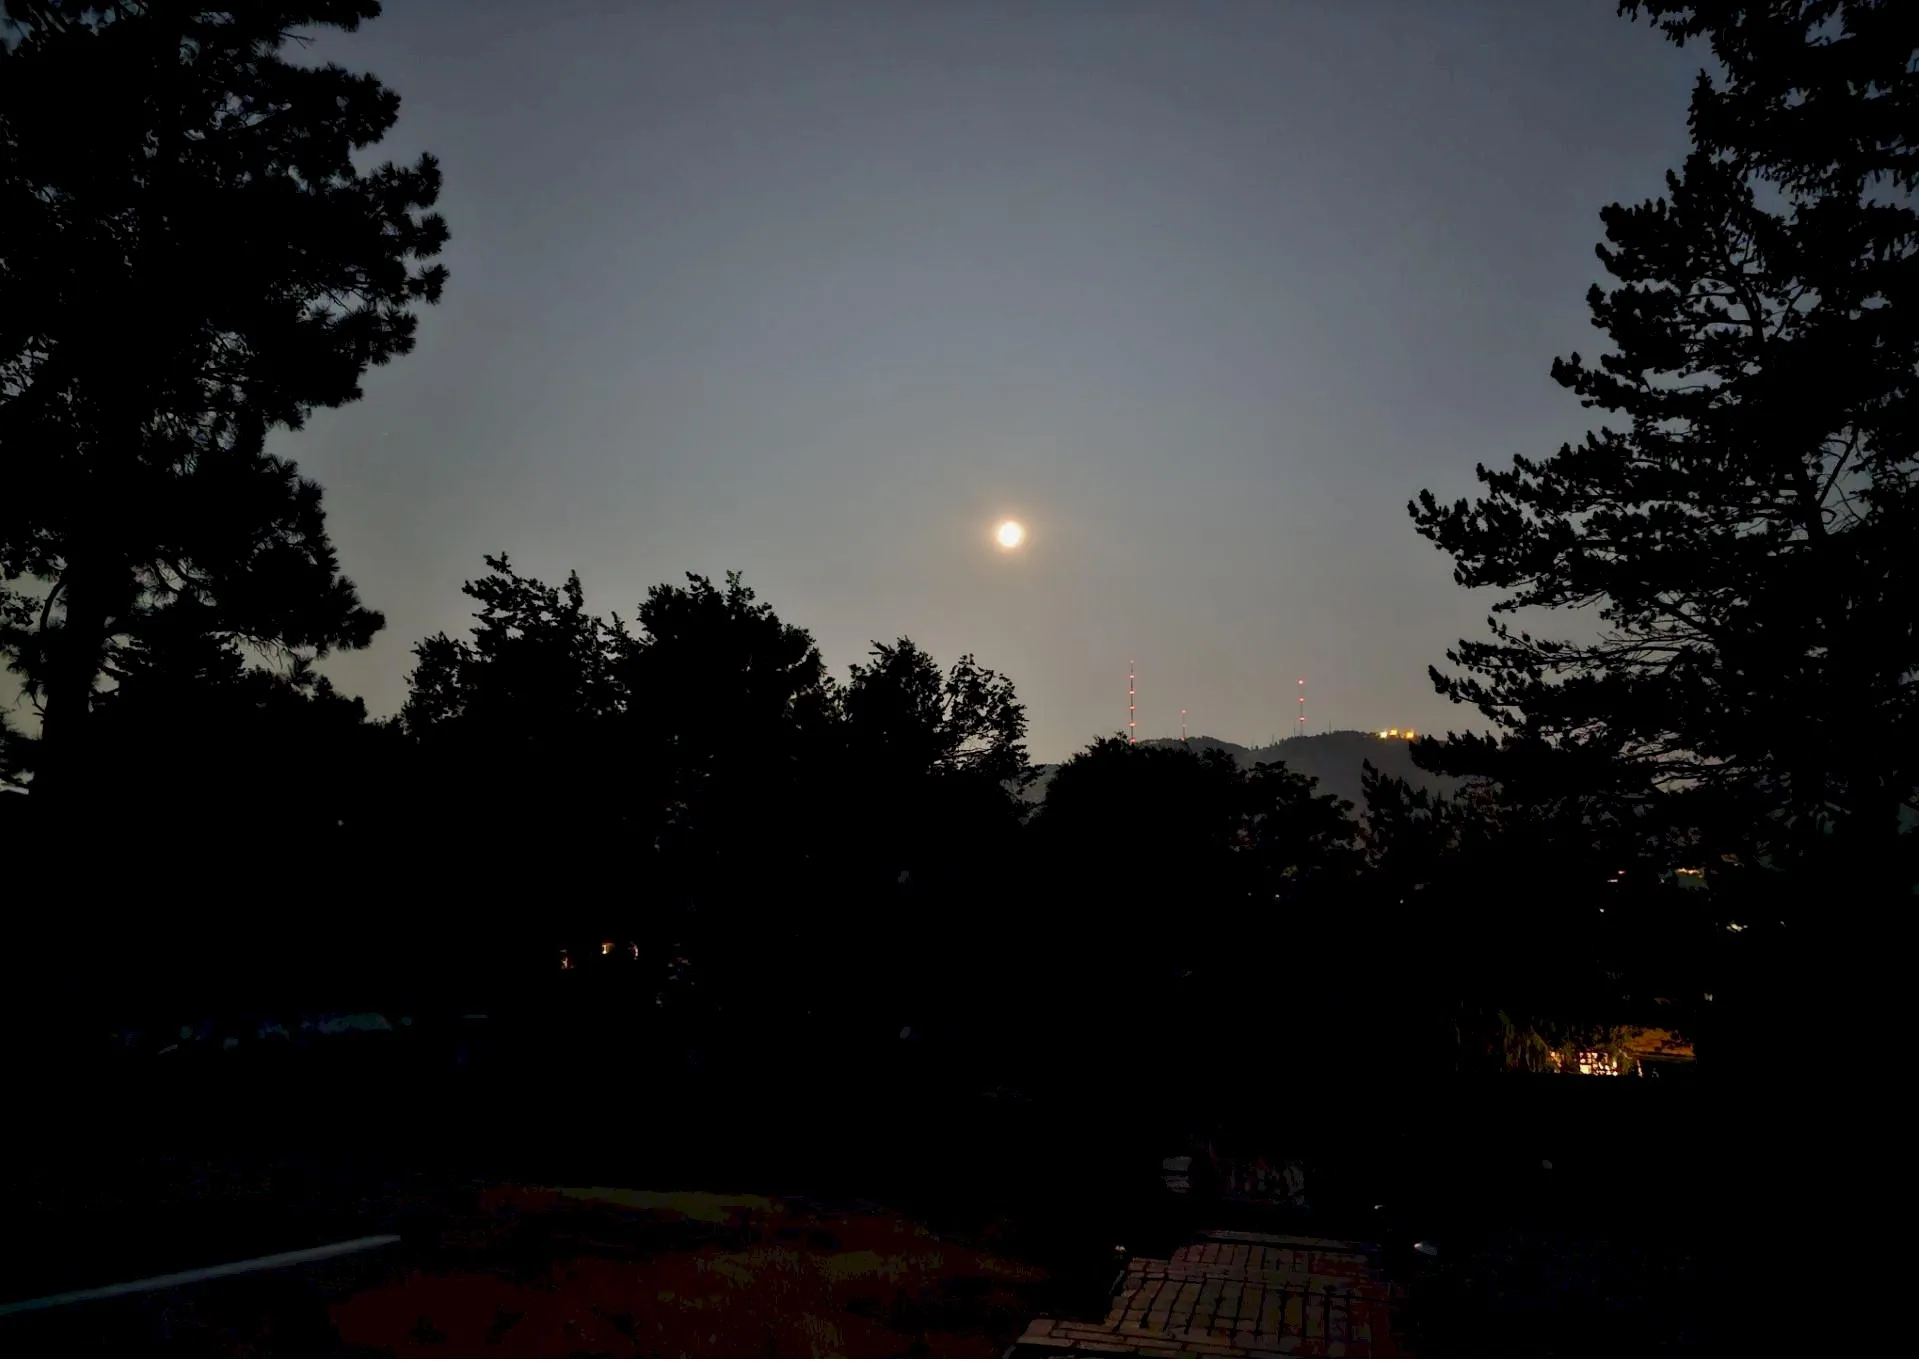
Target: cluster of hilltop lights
{"x": 1405, "y": 733}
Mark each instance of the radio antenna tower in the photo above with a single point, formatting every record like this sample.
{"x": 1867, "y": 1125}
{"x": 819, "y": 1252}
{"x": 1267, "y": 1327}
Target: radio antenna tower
{"x": 1182, "y": 727}
{"x": 1132, "y": 725}
{"x": 1302, "y": 708}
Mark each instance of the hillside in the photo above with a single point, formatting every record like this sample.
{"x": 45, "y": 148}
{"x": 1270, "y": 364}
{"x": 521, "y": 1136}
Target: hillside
{"x": 1334, "y": 759}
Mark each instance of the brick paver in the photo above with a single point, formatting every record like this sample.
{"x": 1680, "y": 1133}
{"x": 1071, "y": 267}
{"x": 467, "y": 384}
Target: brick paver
{"x": 1241, "y": 1294}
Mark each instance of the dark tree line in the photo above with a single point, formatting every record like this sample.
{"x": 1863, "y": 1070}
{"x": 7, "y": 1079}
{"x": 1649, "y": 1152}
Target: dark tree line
{"x": 694, "y": 785}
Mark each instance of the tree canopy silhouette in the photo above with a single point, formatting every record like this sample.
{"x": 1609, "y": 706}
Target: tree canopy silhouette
{"x": 1187, "y": 893}
{"x": 1503, "y": 918}
{"x": 189, "y": 260}
{"x": 676, "y": 775}
{"x": 1745, "y": 529}
{"x": 744, "y": 707}
{"x": 537, "y": 665}
{"x": 930, "y": 764}
{"x": 1302, "y": 844}
{"x": 1163, "y": 830}
{"x": 533, "y": 701}
{"x": 903, "y": 713}
{"x": 520, "y": 733}
{"x": 937, "y": 758}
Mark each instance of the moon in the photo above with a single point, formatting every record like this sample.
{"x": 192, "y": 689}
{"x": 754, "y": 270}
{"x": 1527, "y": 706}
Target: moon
{"x": 1011, "y": 534}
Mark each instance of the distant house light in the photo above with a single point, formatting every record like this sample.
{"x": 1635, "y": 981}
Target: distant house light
{"x": 1587, "y": 1062}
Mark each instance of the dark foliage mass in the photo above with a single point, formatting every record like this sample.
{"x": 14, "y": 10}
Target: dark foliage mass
{"x": 1732, "y": 555}
{"x": 192, "y": 260}
{"x": 1739, "y": 544}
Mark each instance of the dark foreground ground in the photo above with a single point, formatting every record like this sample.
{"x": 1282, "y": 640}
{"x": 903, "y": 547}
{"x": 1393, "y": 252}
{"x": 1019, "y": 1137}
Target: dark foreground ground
{"x": 892, "y": 1201}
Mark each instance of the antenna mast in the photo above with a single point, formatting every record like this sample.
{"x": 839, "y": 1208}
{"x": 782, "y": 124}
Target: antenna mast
{"x": 1182, "y": 727}
{"x": 1132, "y": 725}
{"x": 1302, "y": 708}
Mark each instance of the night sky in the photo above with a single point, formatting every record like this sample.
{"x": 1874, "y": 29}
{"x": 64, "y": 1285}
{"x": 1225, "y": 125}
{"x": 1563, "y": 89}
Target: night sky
{"x": 1202, "y": 291}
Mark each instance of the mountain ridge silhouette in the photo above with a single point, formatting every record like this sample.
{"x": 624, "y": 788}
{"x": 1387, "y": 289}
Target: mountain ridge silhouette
{"x": 1335, "y": 759}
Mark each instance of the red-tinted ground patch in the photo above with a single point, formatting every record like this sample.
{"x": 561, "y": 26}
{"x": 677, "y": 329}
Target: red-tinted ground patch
{"x": 620, "y": 1273}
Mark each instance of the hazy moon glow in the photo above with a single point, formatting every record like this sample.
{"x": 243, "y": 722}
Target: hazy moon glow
{"x": 1011, "y": 533}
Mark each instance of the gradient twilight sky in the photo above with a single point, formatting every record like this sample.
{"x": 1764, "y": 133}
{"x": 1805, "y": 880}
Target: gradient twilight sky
{"x": 1200, "y": 290}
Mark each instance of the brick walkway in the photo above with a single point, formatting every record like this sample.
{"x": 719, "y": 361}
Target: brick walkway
{"x": 1239, "y": 1294}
